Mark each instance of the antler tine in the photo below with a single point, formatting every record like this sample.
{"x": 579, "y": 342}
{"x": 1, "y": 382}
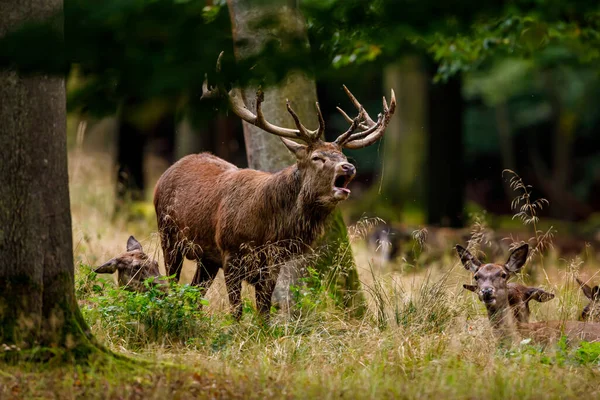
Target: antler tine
{"x": 321, "y": 130}
{"x": 207, "y": 92}
{"x": 359, "y": 141}
{"x": 305, "y": 133}
{"x": 343, "y": 138}
{"x": 358, "y": 106}
{"x": 350, "y": 120}
{"x": 236, "y": 104}
{"x": 364, "y": 134}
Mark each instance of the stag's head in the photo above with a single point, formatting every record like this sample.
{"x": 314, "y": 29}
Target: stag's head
{"x": 491, "y": 280}
{"x": 133, "y": 267}
{"x": 591, "y": 312}
{"x": 324, "y": 168}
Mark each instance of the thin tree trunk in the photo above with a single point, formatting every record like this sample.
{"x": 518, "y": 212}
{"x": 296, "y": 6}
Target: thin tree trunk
{"x": 37, "y": 299}
{"x": 405, "y": 138}
{"x": 266, "y": 152}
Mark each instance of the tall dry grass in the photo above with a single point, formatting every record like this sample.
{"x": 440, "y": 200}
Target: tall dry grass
{"x": 422, "y": 337}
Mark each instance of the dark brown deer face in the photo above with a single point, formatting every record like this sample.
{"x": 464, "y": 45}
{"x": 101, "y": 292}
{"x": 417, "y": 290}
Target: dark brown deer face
{"x": 591, "y": 312}
{"x": 325, "y": 170}
{"x": 491, "y": 280}
{"x": 133, "y": 267}
{"x": 519, "y": 297}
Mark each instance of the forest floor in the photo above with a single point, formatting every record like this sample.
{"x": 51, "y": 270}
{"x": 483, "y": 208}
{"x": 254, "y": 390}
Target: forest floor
{"x": 423, "y": 335}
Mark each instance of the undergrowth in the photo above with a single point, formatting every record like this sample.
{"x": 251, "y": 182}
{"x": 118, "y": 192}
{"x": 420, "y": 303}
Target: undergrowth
{"x": 422, "y": 336}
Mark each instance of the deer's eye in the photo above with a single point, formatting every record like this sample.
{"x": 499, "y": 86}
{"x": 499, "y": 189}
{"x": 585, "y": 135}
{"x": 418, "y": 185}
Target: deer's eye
{"x": 476, "y": 277}
{"x": 317, "y": 158}
{"x": 504, "y": 275}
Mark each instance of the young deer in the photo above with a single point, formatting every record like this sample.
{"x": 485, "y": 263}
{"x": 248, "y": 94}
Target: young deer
{"x": 591, "y": 312}
{"x": 133, "y": 267}
{"x": 492, "y": 289}
{"x": 249, "y": 222}
{"x": 519, "y": 297}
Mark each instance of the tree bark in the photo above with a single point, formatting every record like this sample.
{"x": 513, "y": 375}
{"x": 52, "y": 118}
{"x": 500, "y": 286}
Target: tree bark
{"x": 266, "y": 152}
{"x": 37, "y": 299}
{"x": 405, "y": 139}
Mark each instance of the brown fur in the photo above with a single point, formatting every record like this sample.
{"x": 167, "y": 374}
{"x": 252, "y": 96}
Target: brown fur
{"x": 590, "y": 312}
{"x": 492, "y": 289}
{"x": 210, "y": 211}
{"x": 519, "y": 297}
{"x": 133, "y": 267}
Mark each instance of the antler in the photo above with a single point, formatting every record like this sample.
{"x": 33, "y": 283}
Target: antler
{"x": 236, "y": 103}
{"x": 371, "y": 130}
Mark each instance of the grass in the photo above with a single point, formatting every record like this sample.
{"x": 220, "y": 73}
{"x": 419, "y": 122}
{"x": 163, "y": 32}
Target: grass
{"x": 422, "y": 337}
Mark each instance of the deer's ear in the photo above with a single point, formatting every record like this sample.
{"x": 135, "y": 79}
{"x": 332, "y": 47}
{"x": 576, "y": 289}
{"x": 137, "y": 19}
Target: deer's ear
{"x": 587, "y": 291}
{"x": 595, "y": 293}
{"x": 108, "y": 267}
{"x": 517, "y": 258}
{"x": 294, "y": 147}
{"x": 470, "y": 262}
{"x": 539, "y": 295}
{"x": 471, "y": 288}
{"x": 133, "y": 244}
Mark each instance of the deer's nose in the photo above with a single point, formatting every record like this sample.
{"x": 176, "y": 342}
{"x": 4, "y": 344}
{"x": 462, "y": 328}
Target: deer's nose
{"x": 486, "y": 292}
{"x": 348, "y": 168}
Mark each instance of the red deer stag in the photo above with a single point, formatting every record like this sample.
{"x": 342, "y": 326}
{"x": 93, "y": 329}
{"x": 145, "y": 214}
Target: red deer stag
{"x": 519, "y": 297}
{"x": 591, "y": 312}
{"x": 492, "y": 288}
{"x": 133, "y": 267}
{"x": 219, "y": 215}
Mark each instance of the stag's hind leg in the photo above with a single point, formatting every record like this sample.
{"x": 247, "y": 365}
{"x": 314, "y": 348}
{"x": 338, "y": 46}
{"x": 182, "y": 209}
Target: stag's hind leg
{"x": 233, "y": 282}
{"x": 264, "y": 292}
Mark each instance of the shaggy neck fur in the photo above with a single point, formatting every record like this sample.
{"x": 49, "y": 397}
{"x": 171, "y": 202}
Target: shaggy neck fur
{"x": 290, "y": 196}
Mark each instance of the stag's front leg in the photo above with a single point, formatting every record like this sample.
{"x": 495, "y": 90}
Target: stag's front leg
{"x": 264, "y": 292}
{"x": 233, "y": 282}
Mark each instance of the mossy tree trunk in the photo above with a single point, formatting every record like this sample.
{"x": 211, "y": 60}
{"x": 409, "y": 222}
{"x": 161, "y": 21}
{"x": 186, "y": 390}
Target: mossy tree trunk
{"x": 266, "y": 152}
{"x": 37, "y": 300}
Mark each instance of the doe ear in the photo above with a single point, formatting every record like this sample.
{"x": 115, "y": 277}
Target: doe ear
{"x": 133, "y": 244}
{"x": 472, "y": 288}
{"x": 108, "y": 267}
{"x": 517, "y": 258}
{"x": 539, "y": 295}
{"x": 470, "y": 262}
{"x": 292, "y": 146}
{"x": 592, "y": 293}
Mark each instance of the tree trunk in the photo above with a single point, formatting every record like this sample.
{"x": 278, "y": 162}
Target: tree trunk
{"x": 446, "y": 181}
{"x": 266, "y": 152}
{"x": 37, "y": 299}
{"x": 405, "y": 138}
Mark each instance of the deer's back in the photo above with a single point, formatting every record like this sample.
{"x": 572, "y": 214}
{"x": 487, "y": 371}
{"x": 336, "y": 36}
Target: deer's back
{"x": 214, "y": 203}
{"x": 188, "y": 194}
{"x": 551, "y": 331}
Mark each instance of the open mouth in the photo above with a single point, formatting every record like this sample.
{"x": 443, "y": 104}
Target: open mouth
{"x": 489, "y": 300}
{"x": 340, "y": 185}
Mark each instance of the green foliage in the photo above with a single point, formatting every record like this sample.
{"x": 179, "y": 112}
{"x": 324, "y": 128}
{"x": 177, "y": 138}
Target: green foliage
{"x": 141, "y": 318}
{"x": 585, "y": 353}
